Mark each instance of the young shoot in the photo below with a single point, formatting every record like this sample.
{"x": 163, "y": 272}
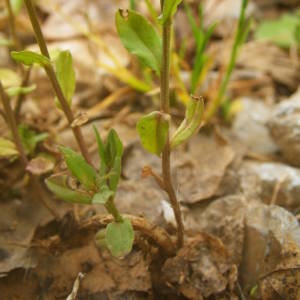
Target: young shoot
{"x": 97, "y": 187}
{"x": 140, "y": 38}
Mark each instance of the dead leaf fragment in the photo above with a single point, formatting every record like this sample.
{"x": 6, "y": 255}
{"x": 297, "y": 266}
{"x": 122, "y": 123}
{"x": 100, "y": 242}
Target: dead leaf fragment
{"x": 40, "y": 165}
{"x": 284, "y": 281}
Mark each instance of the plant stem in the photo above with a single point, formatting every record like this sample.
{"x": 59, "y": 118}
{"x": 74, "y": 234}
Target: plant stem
{"x": 55, "y": 84}
{"x": 165, "y": 103}
{"x": 111, "y": 208}
{"x": 24, "y": 161}
{"x": 12, "y": 25}
{"x": 13, "y": 125}
{"x": 21, "y": 96}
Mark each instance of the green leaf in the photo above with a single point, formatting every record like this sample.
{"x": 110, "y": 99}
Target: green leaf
{"x": 191, "y": 123}
{"x": 79, "y": 168}
{"x": 29, "y": 58}
{"x": 114, "y": 148}
{"x": 169, "y": 9}
{"x": 119, "y": 237}
{"x": 16, "y": 6}
{"x": 115, "y": 173}
{"x": 65, "y": 74}
{"x": 280, "y": 32}
{"x": 58, "y": 186}
{"x": 102, "y": 153}
{"x": 103, "y": 196}
{"x": 7, "y": 148}
{"x": 140, "y": 38}
{"x": 30, "y": 138}
{"x": 153, "y": 130}
{"x": 15, "y": 91}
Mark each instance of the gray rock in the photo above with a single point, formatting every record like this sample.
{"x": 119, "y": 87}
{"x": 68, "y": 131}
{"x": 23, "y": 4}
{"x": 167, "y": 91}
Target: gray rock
{"x": 273, "y": 182}
{"x": 257, "y": 235}
{"x": 284, "y": 126}
{"x": 250, "y": 127}
{"x": 269, "y": 232}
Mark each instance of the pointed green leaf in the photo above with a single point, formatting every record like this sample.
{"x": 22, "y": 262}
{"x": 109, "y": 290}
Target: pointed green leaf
{"x": 79, "y": 168}
{"x": 153, "y": 130}
{"x": 18, "y": 90}
{"x": 7, "y": 148}
{"x": 119, "y": 237}
{"x": 103, "y": 196}
{"x": 102, "y": 153}
{"x": 114, "y": 147}
{"x": 58, "y": 186}
{"x": 29, "y": 58}
{"x": 169, "y": 9}
{"x": 65, "y": 74}
{"x": 115, "y": 173}
{"x": 140, "y": 38}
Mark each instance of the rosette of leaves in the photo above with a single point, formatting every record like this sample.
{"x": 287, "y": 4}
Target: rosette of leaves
{"x": 97, "y": 187}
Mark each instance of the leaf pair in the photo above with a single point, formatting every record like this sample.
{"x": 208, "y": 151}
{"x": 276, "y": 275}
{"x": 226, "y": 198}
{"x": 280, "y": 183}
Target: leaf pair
{"x": 154, "y": 127}
{"x": 63, "y": 68}
{"x": 98, "y": 187}
{"x": 110, "y": 154}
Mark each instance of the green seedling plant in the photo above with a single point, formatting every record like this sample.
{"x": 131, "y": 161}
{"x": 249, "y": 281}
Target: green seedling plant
{"x": 97, "y": 187}
{"x": 141, "y": 38}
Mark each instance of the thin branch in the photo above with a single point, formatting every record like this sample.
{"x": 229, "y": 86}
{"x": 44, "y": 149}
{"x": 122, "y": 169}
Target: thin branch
{"x": 52, "y": 77}
{"x": 13, "y": 126}
{"x": 21, "y": 96}
{"x": 166, "y": 154}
